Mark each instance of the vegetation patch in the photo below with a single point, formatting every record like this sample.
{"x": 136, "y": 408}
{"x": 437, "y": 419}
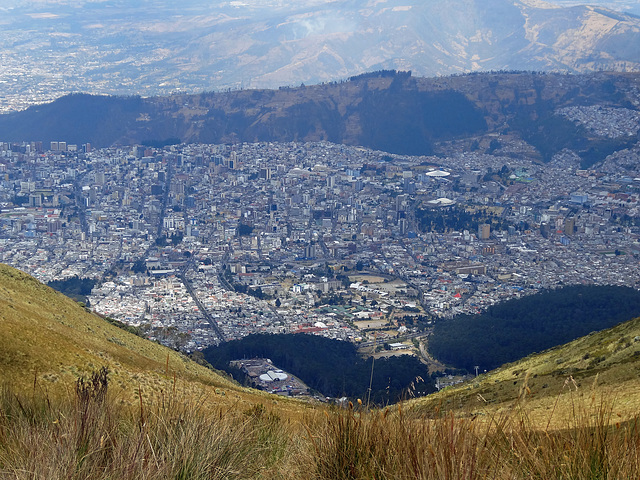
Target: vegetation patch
{"x": 514, "y": 329}
{"x": 74, "y": 287}
{"x": 332, "y": 367}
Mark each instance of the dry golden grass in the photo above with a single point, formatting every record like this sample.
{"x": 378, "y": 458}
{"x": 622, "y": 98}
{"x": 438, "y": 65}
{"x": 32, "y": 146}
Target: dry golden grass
{"x": 606, "y": 363}
{"x": 91, "y": 435}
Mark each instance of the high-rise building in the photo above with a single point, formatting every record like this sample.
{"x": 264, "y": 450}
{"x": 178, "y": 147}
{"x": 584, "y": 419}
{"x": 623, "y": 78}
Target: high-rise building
{"x": 99, "y": 177}
{"x": 484, "y": 231}
{"x": 402, "y": 223}
{"x": 310, "y": 251}
{"x": 265, "y": 173}
{"x": 569, "y": 225}
{"x": 545, "y": 229}
{"x": 35, "y": 200}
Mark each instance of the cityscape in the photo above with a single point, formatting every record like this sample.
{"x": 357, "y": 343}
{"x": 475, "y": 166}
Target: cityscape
{"x": 319, "y": 239}
{"x": 200, "y": 244}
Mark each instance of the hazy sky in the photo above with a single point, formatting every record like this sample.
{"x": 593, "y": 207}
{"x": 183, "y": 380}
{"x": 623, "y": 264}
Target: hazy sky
{"x": 615, "y": 4}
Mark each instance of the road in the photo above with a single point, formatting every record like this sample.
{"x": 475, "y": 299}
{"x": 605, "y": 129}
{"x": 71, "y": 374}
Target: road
{"x": 202, "y": 308}
{"x": 401, "y": 338}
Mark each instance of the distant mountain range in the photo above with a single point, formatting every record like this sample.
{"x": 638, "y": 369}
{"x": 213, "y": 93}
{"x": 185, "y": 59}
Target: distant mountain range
{"x": 147, "y": 48}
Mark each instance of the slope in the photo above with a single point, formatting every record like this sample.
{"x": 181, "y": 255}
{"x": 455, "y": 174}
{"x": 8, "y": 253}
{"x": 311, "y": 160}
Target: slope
{"x": 48, "y": 341}
{"x": 606, "y": 363}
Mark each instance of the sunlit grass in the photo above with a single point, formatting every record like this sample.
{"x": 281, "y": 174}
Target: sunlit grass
{"x": 91, "y": 435}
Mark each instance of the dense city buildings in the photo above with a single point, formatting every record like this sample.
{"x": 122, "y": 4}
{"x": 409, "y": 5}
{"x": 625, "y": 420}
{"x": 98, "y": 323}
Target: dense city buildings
{"x": 199, "y": 244}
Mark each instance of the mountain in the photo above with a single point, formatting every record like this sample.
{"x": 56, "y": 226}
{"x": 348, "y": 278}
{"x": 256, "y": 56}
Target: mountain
{"x": 385, "y": 110}
{"x": 629, "y": 6}
{"x": 151, "y": 48}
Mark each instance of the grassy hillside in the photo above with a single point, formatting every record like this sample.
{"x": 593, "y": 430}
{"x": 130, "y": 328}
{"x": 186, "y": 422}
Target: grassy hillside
{"x": 49, "y": 341}
{"x": 603, "y": 363}
{"x": 157, "y": 415}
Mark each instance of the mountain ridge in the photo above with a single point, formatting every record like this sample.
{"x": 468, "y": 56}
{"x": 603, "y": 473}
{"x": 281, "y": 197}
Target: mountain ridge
{"x": 385, "y": 110}
{"x": 123, "y": 48}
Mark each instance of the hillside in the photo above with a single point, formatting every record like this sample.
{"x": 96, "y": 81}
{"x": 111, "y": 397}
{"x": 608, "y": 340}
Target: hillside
{"x": 385, "y": 110}
{"x": 47, "y": 337}
{"x": 207, "y": 428}
{"x": 49, "y": 341}
{"x": 516, "y": 328}
{"x": 603, "y": 363}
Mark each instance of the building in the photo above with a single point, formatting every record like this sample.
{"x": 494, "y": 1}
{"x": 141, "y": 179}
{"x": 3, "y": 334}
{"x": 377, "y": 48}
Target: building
{"x": 569, "y": 226}
{"x": 265, "y": 173}
{"x": 484, "y": 231}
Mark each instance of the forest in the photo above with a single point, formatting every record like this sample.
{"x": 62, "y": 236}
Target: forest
{"x": 74, "y": 287}
{"x": 514, "y": 329}
{"x": 331, "y": 367}
{"x": 446, "y": 219}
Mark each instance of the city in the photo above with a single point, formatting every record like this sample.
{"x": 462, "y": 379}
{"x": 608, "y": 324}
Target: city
{"x": 199, "y": 244}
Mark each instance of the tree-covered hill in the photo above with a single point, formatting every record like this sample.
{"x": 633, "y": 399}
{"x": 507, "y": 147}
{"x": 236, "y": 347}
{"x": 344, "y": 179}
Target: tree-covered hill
{"x": 514, "y": 329}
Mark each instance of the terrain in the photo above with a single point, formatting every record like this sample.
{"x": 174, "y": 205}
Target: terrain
{"x": 606, "y": 361}
{"x": 567, "y": 412}
{"x": 48, "y": 341}
{"x": 516, "y": 328}
{"x": 384, "y": 110}
{"x": 49, "y": 49}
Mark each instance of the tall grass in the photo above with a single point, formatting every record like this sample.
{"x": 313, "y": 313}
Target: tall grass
{"x": 581, "y": 439}
{"x": 92, "y": 435}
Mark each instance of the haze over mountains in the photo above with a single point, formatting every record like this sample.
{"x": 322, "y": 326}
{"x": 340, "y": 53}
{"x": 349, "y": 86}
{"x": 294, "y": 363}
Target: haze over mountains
{"x": 147, "y": 48}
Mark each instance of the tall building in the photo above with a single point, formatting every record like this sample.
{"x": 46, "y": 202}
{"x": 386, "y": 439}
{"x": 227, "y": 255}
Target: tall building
{"x": 401, "y": 203}
{"x": 402, "y": 223}
{"x": 35, "y": 200}
{"x": 545, "y": 229}
{"x": 484, "y": 231}
{"x": 99, "y": 178}
{"x": 569, "y": 225}
{"x": 310, "y": 251}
